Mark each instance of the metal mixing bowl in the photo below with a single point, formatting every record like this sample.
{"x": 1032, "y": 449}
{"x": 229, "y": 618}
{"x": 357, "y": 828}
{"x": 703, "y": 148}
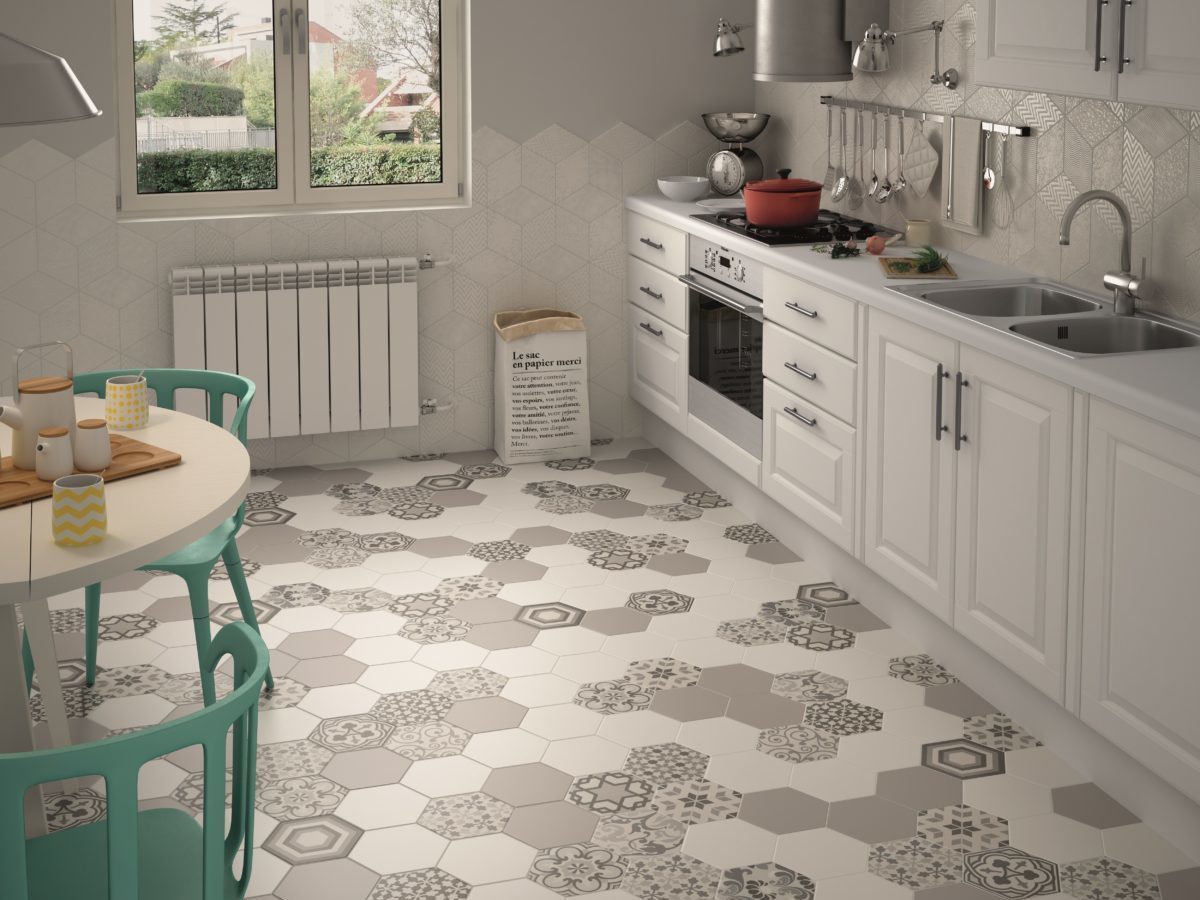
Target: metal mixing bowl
{"x": 736, "y": 127}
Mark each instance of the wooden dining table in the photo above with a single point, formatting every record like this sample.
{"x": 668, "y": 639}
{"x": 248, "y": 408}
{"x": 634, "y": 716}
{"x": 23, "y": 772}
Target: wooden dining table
{"x": 149, "y": 516}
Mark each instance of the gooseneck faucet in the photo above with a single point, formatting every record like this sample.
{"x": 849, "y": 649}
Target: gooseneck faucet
{"x": 1124, "y": 284}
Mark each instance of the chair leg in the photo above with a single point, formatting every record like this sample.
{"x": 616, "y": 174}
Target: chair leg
{"x": 237, "y": 579}
{"x": 27, "y": 659}
{"x": 197, "y": 584}
{"x": 91, "y": 629}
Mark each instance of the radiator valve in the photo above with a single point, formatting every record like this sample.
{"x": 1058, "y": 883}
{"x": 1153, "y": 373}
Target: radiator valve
{"x": 431, "y": 405}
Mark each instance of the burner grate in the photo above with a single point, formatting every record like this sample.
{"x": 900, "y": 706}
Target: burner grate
{"x": 830, "y": 226}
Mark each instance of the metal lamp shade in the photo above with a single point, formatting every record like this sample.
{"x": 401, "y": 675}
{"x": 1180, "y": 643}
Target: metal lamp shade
{"x": 727, "y": 42}
{"x": 871, "y": 55}
{"x": 39, "y": 87}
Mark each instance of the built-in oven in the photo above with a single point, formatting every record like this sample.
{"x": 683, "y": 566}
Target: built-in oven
{"x": 725, "y": 343}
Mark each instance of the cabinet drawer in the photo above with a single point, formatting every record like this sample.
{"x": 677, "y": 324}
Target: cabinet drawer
{"x": 658, "y": 369}
{"x": 808, "y": 466}
{"x": 656, "y": 243}
{"x": 789, "y": 360}
{"x": 822, "y": 316}
{"x": 657, "y": 292}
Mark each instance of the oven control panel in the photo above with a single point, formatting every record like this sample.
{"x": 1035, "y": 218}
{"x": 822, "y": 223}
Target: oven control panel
{"x": 726, "y": 266}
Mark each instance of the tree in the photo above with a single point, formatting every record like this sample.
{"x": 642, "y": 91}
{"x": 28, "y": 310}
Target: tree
{"x": 192, "y": 21}
{"x": 334, "y": 107}
{"x": 407, "y": 33}
{"x": 426, "y": 126}
{"x": 256, "y": 77}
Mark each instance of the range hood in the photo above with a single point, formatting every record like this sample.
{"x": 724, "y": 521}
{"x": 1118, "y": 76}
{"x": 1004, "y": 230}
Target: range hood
{"x": 811, "y": 40}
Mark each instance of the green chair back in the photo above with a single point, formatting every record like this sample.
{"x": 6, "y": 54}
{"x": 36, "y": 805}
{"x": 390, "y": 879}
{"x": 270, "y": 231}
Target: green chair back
{"x": 34, "y": 869}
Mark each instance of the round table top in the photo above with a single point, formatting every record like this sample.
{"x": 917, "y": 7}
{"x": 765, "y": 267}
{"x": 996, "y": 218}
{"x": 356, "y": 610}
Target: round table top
{"x": 149, "y": 516}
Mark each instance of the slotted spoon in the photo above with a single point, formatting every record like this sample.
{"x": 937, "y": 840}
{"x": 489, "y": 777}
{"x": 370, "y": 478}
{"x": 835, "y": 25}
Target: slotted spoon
{"x": 856, "y": 183}
{"x": 827, "y": 184}
{"x": 885, "y": 189}
{"x": 873, "y": 187}
{"x": 841, "y": 182}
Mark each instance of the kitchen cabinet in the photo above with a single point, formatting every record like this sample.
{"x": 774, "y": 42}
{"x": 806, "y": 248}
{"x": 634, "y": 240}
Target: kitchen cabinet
{"x": 808, "y": 463}
{"x": 657, "y": 292}
{"x": 1140, "y": 610}
{"x": 1076, "y": 47}
{"x": 658, "y": 370}
{"x": 909, "y": 509}
{"x": 1013, "y": 490}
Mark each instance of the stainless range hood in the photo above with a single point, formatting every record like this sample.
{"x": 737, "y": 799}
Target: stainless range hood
{"x": 811, "y": 40}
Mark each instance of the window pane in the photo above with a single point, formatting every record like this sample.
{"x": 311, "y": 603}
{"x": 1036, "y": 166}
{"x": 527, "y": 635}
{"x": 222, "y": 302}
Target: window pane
{"x": 374, "y": 92}
{"x": 204, "y": 84}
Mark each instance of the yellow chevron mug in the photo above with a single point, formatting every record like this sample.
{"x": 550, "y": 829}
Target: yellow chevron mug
{"x": 79, "y": 511}
{"x": 126, "y": 402}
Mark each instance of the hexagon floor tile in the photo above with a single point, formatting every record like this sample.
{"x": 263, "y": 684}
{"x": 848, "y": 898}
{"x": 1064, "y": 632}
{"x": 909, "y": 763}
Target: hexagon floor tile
{"x": 557, "y": 682}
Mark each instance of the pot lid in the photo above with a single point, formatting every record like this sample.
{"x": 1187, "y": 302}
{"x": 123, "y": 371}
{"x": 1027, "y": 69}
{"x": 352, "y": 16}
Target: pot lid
{"x": 784, "y": 185}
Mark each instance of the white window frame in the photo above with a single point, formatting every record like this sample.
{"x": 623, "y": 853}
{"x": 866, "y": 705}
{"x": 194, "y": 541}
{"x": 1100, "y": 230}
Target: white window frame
{"x": 294, "y": 192}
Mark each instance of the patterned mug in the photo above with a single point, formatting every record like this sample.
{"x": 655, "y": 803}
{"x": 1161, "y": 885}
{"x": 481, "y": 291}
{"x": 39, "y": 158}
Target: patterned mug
{"x": 126, "y": 402}
{"x": 79, "y": 511}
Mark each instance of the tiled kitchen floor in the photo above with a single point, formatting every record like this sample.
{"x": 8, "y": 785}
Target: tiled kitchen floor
{"x": 595, "y": 677}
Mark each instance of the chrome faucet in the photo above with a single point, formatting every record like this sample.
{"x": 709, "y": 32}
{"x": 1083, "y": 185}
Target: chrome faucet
{"x": 1124, "y": 284}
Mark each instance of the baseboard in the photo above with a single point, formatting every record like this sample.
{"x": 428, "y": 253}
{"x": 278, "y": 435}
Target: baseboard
{"x": 1145, "y": 794}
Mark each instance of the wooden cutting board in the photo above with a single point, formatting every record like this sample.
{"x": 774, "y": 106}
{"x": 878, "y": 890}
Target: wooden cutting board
{"x": 888, "y": 262}
{"x": 130, "y": 457}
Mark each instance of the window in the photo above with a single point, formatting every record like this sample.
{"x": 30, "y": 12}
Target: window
{"x": 235, "y": 106}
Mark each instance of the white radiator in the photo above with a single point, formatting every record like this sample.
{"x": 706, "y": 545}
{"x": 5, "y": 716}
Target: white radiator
{"x": 331, "y": 345}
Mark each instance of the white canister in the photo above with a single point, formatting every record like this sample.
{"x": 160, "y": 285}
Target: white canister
{"x": 93, "y": 452}
{"x": 54, "y": 457}
{"x": 918, "y": 232}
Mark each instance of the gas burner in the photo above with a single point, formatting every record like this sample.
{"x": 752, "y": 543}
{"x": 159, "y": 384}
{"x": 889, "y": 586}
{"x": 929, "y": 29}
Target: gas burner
{"x": 830, "y": 226}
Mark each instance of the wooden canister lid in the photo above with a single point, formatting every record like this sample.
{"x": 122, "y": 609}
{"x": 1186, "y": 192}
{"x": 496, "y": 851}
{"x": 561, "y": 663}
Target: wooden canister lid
{"x": 52, "y": 432}
{"x": 91, "y": 423}
{"x": 47, "y": 384}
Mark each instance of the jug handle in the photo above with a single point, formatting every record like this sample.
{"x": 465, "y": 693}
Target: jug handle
{"x": 17, "y": 358}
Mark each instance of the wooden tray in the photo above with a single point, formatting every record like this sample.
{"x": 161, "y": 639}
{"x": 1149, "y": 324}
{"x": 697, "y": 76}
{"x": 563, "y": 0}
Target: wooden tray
{"x": 946, "y": 270}
{"x": 130, "y": 457}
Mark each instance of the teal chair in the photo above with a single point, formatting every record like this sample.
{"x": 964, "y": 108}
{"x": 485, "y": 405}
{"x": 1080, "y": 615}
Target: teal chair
{"x": 195, "y": 562}
{"x": 153, "y": 854}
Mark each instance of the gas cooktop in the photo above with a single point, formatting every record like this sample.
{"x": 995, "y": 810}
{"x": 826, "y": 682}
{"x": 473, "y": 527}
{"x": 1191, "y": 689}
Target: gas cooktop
{"x": 830, "y": 226}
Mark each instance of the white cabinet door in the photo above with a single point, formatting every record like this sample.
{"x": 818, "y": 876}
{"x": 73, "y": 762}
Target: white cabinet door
{"x": 1164, "y": 57}
{"x": 1011, "y": 530}
{"x": 1048, "y": 47}
{"x": 909, "y": 513}
{"x": 658, "y": 372}
{"x": 1141, "y": 608}
{"x": 808, "y": 463}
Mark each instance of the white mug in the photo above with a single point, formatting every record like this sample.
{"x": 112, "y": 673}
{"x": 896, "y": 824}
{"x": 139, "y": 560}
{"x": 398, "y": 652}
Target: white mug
{"x": 53, "y": 454}
{"x": 93, "y": 452}
{"x": 126, "y": 402}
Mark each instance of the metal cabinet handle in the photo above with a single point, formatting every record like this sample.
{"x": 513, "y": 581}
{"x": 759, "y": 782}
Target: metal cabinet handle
{"x": 1122, "y": 59}
{"x": 811, "y": 376}
{"x": 959, "y": 384}
{"x": 938, "y": 427}
{"x": 796, "y": 307}
{"x": 285, "y": 31}
{"x": 301, "y": 32}
{"x": 650, "y": 328}
{"x": 653, "y": 245}
{"x": 1100, "y": 4}
{"x": 796, "y": 414}
{"x": 648, "y": 292}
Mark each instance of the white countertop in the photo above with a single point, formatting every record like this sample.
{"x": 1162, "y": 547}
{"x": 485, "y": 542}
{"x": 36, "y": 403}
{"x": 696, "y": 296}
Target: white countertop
{"x": 1160, "y": 384}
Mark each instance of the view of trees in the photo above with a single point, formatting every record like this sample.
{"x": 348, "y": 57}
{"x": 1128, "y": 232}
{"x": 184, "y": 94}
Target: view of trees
{"x": 193, "y": 22}
{"x": 407, "y": 33}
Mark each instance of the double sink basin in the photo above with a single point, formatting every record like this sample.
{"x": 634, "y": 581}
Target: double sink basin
{"x": 1057, "y": 316}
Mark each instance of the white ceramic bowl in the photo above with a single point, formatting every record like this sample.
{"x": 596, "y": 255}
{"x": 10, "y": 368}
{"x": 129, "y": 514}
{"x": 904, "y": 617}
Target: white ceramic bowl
{"x": 684, "y": 188}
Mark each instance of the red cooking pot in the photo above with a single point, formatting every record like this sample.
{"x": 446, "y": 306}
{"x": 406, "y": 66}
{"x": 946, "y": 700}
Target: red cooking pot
{"x": 782, "y": 202}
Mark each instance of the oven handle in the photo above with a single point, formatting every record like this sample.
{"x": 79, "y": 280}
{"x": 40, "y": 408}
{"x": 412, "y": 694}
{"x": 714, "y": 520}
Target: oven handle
{"x": 748, "y": 311}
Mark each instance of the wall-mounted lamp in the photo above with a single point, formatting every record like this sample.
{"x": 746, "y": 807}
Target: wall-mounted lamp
{"x": 48, "y": 90}
{"x": 728, "y": 42}
{"x": 871, "y": 55}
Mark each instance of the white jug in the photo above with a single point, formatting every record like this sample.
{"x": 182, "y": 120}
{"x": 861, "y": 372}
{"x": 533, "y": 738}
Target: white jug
{"x": 45, "y": 402}
{"x": 54, "y": 460}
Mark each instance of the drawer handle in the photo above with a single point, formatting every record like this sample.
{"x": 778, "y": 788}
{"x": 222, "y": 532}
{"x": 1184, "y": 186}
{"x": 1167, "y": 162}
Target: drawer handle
{"x": 654, "y": 294}
{"x": 811, "y": 376}
{"x": 796, "y": 307}
{"x": 795, "y": 414}
{"x": 653, "y": 245}
{"x": 650, "y": 328}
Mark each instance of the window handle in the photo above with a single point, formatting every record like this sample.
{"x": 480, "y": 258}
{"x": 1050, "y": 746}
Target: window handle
{"x": 301, "y": 32}
{"x": 285, "y": 32}
{"x": 796, "y": 307}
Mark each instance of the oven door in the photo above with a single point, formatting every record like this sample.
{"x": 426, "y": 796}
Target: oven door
{"x": 725, "y": 349}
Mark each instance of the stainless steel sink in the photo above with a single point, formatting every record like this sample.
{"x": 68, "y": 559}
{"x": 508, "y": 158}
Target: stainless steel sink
{"x": 1005, "y": 299}
{"x": 1087, "y": 335}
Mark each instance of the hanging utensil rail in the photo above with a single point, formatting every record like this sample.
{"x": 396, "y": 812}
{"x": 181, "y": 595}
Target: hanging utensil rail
{"x": 921, "y": 115}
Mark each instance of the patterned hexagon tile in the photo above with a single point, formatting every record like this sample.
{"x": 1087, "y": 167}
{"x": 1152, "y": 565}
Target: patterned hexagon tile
{"x": 592, "y": 677}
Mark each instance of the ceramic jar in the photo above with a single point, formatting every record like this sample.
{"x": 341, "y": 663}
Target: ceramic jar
{"x": 93, "y": 452}
{"x": 918, "y": 233}
{"x": 126, "y": 402}
{"x": 54, "y": 456}
{"x": 79, "y": 510}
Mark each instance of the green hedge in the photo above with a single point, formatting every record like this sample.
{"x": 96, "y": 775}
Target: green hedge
{"x": 176, "y": 171}
{"x": 190, "y": 98}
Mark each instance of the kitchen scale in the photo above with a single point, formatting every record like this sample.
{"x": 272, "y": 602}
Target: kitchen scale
{"x": 729, "y": 169}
